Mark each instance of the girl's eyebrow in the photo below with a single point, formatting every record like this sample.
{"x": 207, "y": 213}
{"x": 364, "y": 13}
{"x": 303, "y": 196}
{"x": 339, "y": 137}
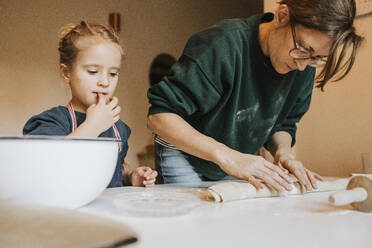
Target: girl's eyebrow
{"x": 97, "y": 65}
{"x": 94, "y": 65}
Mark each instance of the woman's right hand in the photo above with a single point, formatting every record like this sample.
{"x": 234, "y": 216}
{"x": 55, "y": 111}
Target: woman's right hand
{"x": 253, "y": 169}
{"x": 103, "y": 115}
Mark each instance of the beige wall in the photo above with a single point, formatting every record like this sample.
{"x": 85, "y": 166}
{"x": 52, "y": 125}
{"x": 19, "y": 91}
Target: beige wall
{"x": 338, "y": 126}
{"x": 29, "y": 78}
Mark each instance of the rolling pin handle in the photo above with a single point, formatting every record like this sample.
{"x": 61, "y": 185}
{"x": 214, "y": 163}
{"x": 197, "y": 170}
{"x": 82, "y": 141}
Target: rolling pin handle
{"x": 348, "y": 196}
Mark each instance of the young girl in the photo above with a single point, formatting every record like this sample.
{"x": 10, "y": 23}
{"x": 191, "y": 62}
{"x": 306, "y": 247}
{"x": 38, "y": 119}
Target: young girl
{"x": 90, "y": 59}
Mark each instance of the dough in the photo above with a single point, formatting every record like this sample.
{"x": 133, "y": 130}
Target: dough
{"x": 230, "y": 191}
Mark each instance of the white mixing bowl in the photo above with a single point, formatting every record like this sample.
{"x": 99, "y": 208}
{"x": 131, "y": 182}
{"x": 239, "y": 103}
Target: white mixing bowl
{"x": 55, "y": 171}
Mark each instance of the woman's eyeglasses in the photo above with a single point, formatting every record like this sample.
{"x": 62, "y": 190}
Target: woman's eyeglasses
{"x": 301, "y": 53}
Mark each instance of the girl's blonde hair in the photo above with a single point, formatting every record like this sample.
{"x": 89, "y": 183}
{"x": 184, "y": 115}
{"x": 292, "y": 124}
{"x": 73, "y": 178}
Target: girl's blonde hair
{"x": 70, "y": 34}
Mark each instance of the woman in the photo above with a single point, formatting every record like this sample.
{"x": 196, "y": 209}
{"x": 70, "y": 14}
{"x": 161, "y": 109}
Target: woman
{"x": 245, "y": 83}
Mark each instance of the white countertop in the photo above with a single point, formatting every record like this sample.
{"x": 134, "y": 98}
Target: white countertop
{"x": 292, "y": 221}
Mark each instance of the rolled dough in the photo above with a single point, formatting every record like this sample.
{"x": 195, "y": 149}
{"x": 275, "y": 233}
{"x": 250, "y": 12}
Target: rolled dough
{"x": 230, "y": 191}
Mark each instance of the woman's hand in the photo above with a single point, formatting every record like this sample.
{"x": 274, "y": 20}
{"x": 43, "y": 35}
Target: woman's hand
{"x": 143, "y": 176}
{"x": 304, "y": 176}
{"x": 103, "y": 115}
{"x": 254, "y": 168}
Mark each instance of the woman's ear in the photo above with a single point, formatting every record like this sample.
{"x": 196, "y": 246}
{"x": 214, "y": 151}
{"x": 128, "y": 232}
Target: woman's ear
{"x": 65, "y": 73}
{"x": 282, "y": 16}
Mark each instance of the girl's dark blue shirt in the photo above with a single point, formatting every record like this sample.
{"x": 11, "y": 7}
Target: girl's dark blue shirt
{"x": 57, "y": 122}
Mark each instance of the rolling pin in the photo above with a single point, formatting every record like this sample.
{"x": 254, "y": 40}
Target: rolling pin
{"x": 358, "y": 192}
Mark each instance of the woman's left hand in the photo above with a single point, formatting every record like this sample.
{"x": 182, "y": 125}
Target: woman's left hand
{"x": 304, "y": 176}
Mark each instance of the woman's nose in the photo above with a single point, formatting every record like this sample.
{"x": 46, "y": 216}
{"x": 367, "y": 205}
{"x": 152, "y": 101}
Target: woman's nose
{"x": 302, "y": 63}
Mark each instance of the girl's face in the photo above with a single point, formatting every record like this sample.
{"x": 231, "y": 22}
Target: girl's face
{"x": 95, "y": 70}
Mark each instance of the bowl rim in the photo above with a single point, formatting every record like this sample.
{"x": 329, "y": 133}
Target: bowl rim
{"x": 62, "y": 138}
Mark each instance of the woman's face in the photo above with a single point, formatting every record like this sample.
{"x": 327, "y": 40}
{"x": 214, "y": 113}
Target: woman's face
{"x": 281, "y": 39}
{"x": 281, "y": 43}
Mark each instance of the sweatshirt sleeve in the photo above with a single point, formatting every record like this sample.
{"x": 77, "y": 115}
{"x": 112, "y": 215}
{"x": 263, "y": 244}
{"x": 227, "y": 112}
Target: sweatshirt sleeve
{"x": 186, "y": 91}
{"x": 201, "y": 76}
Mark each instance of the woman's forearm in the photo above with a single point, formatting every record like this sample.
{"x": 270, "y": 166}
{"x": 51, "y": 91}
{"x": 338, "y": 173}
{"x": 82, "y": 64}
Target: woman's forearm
{"x": 175, "y": 130}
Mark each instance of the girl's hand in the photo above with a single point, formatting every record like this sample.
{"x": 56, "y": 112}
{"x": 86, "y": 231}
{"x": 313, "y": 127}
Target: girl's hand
{"x": 103, "y": 115}
{"x": 143, "y": 176}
